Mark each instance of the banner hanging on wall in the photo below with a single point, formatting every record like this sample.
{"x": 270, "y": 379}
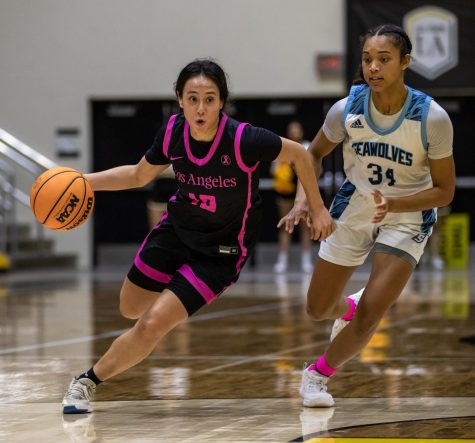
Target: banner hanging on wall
{"x": 442, "y": 34}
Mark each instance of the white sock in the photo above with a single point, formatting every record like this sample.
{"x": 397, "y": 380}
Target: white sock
{"x": 306, "y": 257}
{"x": 282, "y": 258}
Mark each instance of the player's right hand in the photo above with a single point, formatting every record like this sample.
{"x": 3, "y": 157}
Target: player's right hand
{"x": 321, "y": 224}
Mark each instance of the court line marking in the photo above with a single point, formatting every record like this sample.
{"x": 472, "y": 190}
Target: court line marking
{"x": 184, "y": 357}
{"x": 314, "y": 436}
{"x": 203, "y": 317}
{"x": 299, "y": 348}
{"x": 382, "y": 440}
{"x": 117, "y": 332}
{"x": 162, "y": 357}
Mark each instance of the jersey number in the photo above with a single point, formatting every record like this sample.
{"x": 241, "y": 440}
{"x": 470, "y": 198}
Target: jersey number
{"x": 206, "y": 202}
{"x": 378, "y": 176}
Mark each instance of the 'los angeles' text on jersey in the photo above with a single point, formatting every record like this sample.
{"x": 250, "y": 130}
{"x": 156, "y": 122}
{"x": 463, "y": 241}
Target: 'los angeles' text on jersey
{"x": 209, "y": 182}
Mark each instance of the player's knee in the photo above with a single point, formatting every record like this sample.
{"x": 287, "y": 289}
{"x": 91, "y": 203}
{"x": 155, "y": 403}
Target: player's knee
{"x": 148, "y": 329}
{"x": 318, "y": 312}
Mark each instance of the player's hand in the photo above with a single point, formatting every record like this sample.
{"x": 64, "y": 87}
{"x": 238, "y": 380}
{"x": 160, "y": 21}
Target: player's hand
{"x": 292, "y": 219}
{"x": 381, "y": 207}
{"x": 321, "y": 224}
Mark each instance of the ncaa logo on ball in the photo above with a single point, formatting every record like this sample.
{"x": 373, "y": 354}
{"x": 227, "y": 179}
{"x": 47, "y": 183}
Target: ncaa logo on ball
{"x": 85, "y": 214}
{"x": 67, "y": 209}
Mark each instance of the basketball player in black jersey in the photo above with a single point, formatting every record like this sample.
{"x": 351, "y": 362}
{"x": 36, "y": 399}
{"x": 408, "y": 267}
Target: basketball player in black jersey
{"x": 199, "y": 246}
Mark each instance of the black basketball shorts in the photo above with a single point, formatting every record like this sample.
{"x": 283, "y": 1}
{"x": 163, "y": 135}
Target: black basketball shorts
{"x": 164, "y": 261}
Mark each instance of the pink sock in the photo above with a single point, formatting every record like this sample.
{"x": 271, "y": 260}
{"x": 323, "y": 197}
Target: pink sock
{"x": 351, "y": 311}
{"x": 322, "y": 367}
{"x": 313, "y": 367}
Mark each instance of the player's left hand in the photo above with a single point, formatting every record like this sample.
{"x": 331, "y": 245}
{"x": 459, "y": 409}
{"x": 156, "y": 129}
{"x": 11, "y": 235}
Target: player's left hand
{"x": 381, "y": 207}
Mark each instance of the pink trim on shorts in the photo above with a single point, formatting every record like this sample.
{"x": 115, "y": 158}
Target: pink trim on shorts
{"x": 323, "y": 367}
{"x": 146, "y": 269}
{"x": 214, "y": 146}
{"x": 168, "y": 134}
{"x": 150, "y": 272}
{"x": 198, "y": 284}
{"x": 164, "y": 217}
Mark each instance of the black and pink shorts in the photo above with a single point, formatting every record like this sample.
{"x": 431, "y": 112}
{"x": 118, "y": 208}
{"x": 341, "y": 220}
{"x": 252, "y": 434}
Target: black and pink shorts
{"x": 164, "y": 261}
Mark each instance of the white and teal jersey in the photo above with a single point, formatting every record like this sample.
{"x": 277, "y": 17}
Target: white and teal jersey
{"x": 393, "y": 160}
{"x": 386, "y": 152}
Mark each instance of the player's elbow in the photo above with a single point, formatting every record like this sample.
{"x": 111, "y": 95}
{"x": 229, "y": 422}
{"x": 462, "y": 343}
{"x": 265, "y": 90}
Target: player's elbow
{"x": 447, "y": 195}
{"x": 140, "y": 179}
{"x": 447, "y": 200}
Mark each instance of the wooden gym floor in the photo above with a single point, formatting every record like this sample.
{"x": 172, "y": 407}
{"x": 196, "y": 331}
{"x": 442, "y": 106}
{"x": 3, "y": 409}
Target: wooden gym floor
{"x": 232, "y": 373}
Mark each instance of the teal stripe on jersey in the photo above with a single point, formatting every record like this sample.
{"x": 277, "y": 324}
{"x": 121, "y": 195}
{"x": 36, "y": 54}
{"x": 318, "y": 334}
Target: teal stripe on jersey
{"x": 342, "y": 199}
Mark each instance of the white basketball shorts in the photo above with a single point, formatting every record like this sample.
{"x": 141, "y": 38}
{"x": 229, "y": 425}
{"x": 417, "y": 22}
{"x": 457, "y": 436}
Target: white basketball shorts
{"x": 404, "y": 234}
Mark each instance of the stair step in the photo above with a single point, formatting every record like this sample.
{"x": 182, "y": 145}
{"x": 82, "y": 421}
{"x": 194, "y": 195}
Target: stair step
{"x": 25, "y": 260}
{"x": 23, "y": 230}
{"x": 32, "y": 245}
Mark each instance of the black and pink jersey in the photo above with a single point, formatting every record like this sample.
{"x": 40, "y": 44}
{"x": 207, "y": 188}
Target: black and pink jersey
{"x": 216, "y": 209}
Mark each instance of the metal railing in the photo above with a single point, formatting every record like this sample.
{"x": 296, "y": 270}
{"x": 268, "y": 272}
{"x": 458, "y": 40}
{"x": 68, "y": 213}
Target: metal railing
{"x": 16, "y": 156}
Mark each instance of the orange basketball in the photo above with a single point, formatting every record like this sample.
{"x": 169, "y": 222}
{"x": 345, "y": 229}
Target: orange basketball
{"x": 61, "y": 199}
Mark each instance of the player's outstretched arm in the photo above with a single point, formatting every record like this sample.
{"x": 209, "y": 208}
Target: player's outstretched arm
{"x": 318, "y": 219}
{"x": 125, "y": 177}
{"x": 319, "y": 148}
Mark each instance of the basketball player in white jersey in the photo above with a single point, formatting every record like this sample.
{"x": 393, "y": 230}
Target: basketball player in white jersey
{"x": 397, "y": 150}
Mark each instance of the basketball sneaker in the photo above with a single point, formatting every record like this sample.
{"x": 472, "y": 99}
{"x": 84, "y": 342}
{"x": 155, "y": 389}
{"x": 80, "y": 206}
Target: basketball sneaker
{"x": 313, "y": 390}
{"x": 437, "y": 263}
{"x": 339, "y": 323}
{"x": 80, "y": 393}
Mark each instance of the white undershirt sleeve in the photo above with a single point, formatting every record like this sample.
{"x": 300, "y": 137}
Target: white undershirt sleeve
{"x": 440, "y": 132}
{"x": 333, "y": 127}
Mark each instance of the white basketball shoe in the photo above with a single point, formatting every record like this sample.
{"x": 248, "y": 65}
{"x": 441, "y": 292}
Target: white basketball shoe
{"x": 281, "y": 264}
{"x": 313, "y": 390}
{"x": 339, "y": 323}
{"x": 79, "y": 394}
